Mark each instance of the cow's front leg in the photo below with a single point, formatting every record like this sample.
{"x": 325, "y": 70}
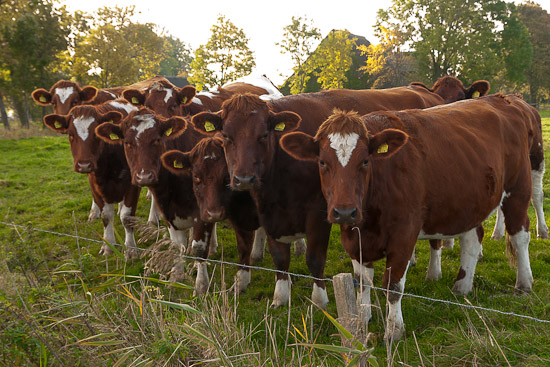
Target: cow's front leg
{"x": 470, "y": 248}
{"x": 395, "y": 277}
{"x": 280, "y": 252}
{"x": 318, "y": 233}
{"x": 202, "y": 233}
{"x": 245, "y": 241}
{"x": 128, "y": 210}
{"x": 364, "y": 273}
{"x": 108, "y": 217}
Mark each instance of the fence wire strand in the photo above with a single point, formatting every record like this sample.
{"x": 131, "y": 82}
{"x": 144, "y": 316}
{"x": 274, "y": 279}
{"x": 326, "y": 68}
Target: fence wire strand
{"x": 214, "y": 261}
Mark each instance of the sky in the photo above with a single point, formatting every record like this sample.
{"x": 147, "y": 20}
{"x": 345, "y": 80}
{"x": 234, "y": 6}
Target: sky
{"x": 261, "y": 21}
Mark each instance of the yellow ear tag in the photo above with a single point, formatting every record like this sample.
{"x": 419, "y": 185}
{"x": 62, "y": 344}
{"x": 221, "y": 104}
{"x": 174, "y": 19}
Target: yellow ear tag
{"x": 383, "y": 148}
{"x": 110, "y": 121}
{"x": 208, "y": 126}
{"x": 475, "y": 94}
{"x": 280, "y": 126}
{"x": 178, "y": 164}
{"x": 57, "y": 125}
{"x": 113, "y": 136}
{"x": 135, "y": 100}
{"x": 42, "y": 99}
{"x": 184, "y": 100}
{"x": 168, "y": 132}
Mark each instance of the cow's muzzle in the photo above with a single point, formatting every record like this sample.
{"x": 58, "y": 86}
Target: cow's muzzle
{"x": 243, "y": 183}
{"x": 145, "y": 178}
{"x": 84, "y": 167}
{"x": 214, "y": 215}
{"x": 344, "y": 216}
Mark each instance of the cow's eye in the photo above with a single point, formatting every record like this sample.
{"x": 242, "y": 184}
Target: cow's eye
{"x": 264, "y": 137}
{"x": 365, "y": 163}
{"x": 322, "y": 163}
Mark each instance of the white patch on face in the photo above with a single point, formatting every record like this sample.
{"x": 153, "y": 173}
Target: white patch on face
{"x": 197, "y": 101}
{"x": 64, "y": 93}
{"x": 289, "y": 239}
{"x": 169, "y": 93}
{"x": 124, "y": 106}
{"x": 112, "y": 94}
{"x": 82, "y": 126}
{"x": 211, "y": 156}
{"x": 145, "y": 122}
{"x": 343, "y": 145}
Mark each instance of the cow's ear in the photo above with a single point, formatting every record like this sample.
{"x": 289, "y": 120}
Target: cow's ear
{"x": 57, "y": 123}
{"x": 173, "y": 127}
{"x": 186, "y": 94}
{"x": 110, "y": 133}
{"x": 386, "y": 143}
{"x": 88, "y": 93}
{"x": 134, "y": 96}
{"x": 112, "y": 116}
{"x": 177, "y": 162}
{"x": 300, "y": 146}
{"x": 208, "y": 122}
{"x": 42, "y": 97}
{"x": 284, "y": 121}
{"x": 478, "y": 89}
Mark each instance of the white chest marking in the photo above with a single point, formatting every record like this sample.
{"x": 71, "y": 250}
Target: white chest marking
{"x": 82, "y": 126}
{"x": 145, "y": 122}
{"x": 64, "y": 93}
{"x": 343, "y": 145}
{"x": 124, "y": 106}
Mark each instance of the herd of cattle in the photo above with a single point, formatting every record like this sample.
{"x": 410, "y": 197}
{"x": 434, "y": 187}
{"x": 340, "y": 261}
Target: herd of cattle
{"x": 389, "y": 166}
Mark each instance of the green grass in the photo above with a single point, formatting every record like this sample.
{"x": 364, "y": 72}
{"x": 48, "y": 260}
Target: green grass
{"x": 53, "y": 295}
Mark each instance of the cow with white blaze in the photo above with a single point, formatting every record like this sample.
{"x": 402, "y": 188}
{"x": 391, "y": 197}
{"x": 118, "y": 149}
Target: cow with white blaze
{"x": 424, "y": 174}
{"x": 145, "y": 137}
{"x": 105, "y": 164}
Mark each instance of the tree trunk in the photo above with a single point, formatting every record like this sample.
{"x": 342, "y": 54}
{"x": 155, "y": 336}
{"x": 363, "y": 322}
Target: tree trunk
{"x": 26, "y": 110}
{"x": 20, "y": 110}
{"x": 3, "y": 113}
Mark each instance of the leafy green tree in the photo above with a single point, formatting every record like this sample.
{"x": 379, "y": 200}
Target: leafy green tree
{"x": 32, "y": 33}
{"x": 332, "y": 59}
{"x": 470, "y": 38}
{"x": 298, "y": 41}
{"x": 177, "y": 58}
{"x": 537, "y": 75}
{"x": 117, "y": 51}
{"x": 224, "y": 58}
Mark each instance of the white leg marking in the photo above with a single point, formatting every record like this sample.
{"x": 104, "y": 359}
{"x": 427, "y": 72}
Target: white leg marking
{"x": 365, "y": 275}
{"x": 242, "y": 280}
{"x": 213, "y": 241}
{"x": 95, "y": 212}
{"x": 537, "y": 199}
{"x": 300, "y": 247}
{"x": 282, "y": 293}
{"x": 394, "y": 322}
{"x": 498, "y": 231}
{"x": 520, "y": 241}
{"x": 258, "y": 247}
{"x": 154, "y": 217}
{"x": 470, "y": 248}
{"x": 448, "y": 243}
{"x": 319, "y": 296}
{"x": 129, "y": 239}
{"x": 202, "y": 281}
{"x": 178, "y": 237}
{"x": 434, "y": 269}
{"x": 108, "y": 216}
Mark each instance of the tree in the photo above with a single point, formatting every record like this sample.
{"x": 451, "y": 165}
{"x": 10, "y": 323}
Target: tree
{"x": 177, "y": 58}
{"x": 469, "y": 38}
{"x": 333, "y": 59}
{"x": 117, "y": 51}
{"x": 537, "y": 75}
{"x": 299, "y": 38}
{"x": 387, "y": 64}
{"x": 224, "y": 58}
{"x": 32, "y": 33}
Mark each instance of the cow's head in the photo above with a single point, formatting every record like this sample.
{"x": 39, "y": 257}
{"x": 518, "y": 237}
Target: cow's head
{"x": 451, "y": 89}
{"x": 345, "y": 152}
{"x": 144, "y": 136}
{"x": 63, "y": 96}
{"x": 206, "y": 163}
{"x": 162, "y": 97}
{"x": 250, "y": 132}
{"x": 80, "y": 126}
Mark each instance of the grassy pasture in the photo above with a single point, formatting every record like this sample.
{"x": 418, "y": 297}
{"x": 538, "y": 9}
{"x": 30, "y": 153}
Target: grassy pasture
{"x": 58, "y": 306}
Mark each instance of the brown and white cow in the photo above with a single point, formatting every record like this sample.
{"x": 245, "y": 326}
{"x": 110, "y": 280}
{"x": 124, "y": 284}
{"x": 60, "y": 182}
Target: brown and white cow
{"x": 205, "y": 163}
{"x": 286, "y": 191}
{"x": 105, "y": 164}
{"x": 424, "y": 174}
{"x": 146, "y": 137}
{"x": 64, "y": 95}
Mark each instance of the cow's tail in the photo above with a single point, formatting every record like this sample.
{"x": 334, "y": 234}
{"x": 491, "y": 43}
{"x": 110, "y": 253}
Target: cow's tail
{"x": 511, "y": 252}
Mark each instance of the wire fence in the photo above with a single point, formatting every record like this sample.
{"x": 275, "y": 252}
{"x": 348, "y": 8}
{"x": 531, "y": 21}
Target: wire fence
{"x": 223, "y": 262}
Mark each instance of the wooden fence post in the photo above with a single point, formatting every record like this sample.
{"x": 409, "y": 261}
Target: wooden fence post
{"x": 346, "y": 305}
